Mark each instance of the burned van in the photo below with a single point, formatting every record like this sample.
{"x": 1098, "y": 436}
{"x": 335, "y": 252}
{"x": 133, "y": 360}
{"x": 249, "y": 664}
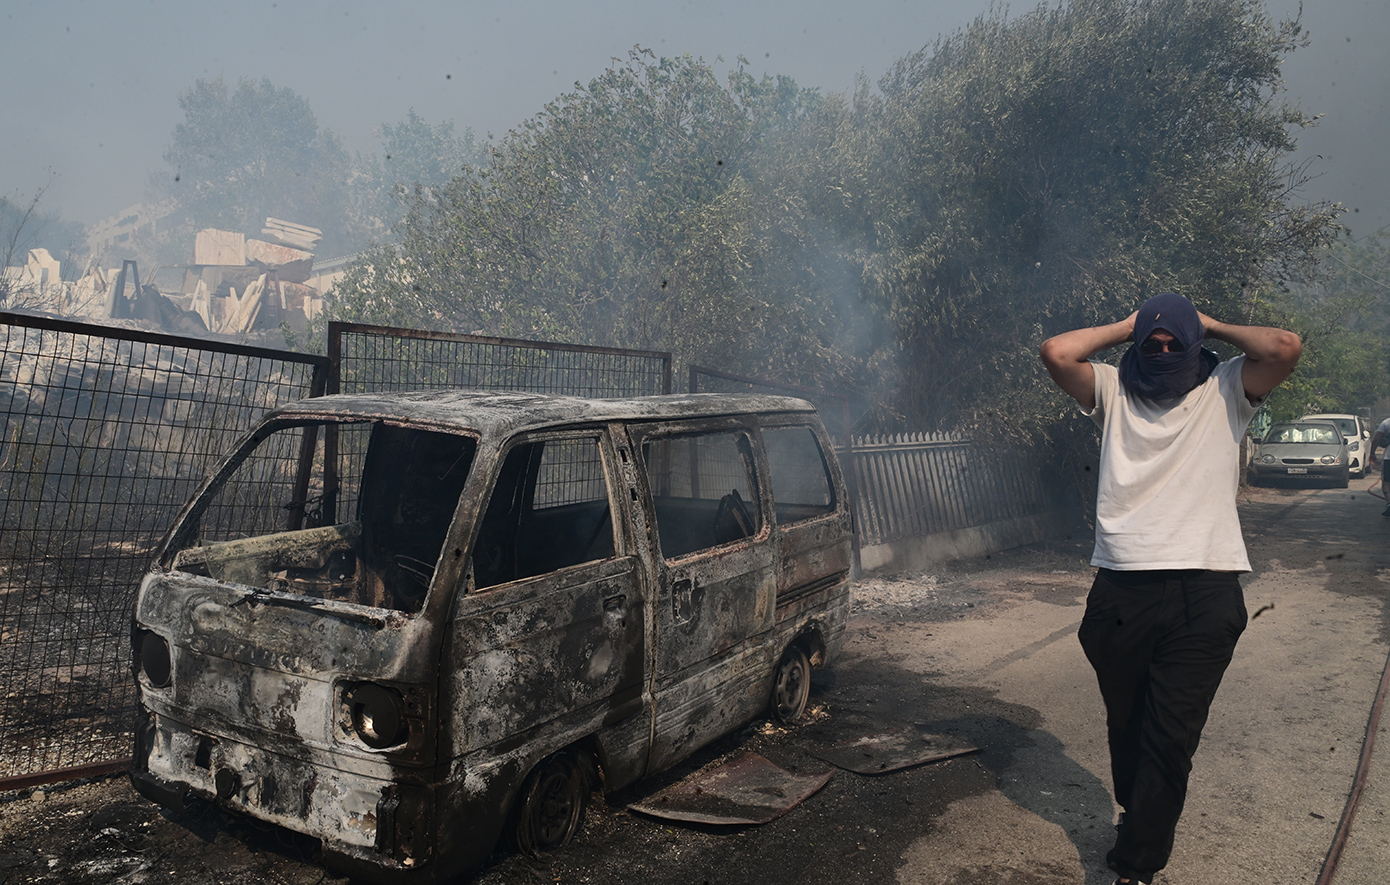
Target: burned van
{"x": 410, "y": 624}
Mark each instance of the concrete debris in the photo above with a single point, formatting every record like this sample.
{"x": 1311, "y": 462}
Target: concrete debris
{"x": 290, "y": 265}
{"x": 236, "y": 285}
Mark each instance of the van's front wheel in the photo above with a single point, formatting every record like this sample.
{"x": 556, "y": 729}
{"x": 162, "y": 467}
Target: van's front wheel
{"x": 791, "y": 685}
{"x": 552, "y": 804}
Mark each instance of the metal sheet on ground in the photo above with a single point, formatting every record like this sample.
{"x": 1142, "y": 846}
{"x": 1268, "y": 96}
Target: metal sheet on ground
{"x": 891, "y": 750}
{"x": 745, "y": 790}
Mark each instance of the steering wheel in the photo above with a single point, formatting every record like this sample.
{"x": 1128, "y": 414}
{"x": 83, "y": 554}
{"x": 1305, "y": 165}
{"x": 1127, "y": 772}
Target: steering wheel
{"x": 732, "y": 520}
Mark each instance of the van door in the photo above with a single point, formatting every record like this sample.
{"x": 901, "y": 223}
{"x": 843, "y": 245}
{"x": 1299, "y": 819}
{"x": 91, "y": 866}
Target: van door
{"x": 552, "y": 629}
{"x": 716, "y": 580}
{"x": 813, "y": 523}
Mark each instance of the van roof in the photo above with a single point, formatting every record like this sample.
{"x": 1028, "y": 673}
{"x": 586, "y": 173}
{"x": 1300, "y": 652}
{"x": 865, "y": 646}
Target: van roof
{"x": 513, "y": 412}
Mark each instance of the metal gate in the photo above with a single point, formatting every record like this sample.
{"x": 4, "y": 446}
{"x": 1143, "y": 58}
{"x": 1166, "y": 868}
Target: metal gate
{"x": 104, "y": 432}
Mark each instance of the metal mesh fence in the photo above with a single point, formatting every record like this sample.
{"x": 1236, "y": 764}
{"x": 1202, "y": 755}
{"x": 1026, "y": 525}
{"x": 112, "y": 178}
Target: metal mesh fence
{"x": 103, "y": 435}
{"x": 833, "y": 407}
{"x": 377, "y": 358}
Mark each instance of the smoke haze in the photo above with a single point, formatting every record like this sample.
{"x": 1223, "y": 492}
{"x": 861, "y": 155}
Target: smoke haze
{"x": 92, "y": 88}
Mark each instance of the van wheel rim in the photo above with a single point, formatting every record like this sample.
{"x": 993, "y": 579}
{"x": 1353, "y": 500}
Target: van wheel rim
{"x": 554, "y": 807}
{"x": 792, "y": 685}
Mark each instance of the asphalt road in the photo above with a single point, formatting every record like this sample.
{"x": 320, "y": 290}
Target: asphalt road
{"x": 984, "y": 652}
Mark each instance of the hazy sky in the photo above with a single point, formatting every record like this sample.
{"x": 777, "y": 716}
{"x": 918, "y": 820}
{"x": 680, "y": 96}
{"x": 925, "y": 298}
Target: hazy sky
{"x": 90, "y": 89}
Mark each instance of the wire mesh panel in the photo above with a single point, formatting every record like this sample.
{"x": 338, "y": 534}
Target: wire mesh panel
{"x": 103, "y": 434}
{"x": 370, "y": 359}
{"x": 267, "y": 493}
{"x": 570, "y": 472}
{"x": 833, "y": 407}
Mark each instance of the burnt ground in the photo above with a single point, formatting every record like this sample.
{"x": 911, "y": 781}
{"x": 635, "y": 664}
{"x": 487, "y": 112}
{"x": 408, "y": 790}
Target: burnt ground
{"x": 856, "y": 829}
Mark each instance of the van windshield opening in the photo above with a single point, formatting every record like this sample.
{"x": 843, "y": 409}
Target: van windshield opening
{"x": 356, "y": 512}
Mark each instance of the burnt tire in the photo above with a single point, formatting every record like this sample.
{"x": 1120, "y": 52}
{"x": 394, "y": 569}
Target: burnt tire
{"x": 791, "y": 685}
{"x": 552, "y": 804}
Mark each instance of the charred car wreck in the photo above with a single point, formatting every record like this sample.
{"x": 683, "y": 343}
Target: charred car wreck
{"x": 408, "y": 624}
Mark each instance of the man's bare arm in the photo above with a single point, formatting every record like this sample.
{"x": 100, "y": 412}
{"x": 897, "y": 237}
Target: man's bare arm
{"x": 1067, "y": 356}
{"x": 1270, "y": 354}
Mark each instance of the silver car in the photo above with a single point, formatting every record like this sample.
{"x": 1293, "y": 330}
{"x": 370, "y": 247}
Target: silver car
{"x": 1302, "y": 450}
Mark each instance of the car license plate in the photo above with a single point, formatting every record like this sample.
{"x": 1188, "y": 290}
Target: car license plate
{"x": 1298, "y": 469}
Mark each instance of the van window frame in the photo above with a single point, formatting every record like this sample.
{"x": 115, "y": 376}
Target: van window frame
{"x": 194, "y": 511}
{"x": 735, "y": 424}
{"x": 617, "y": 517}
{"x": 833, "y": 479}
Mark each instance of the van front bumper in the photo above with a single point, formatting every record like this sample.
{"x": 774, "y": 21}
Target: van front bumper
{"x": 378, "y": 827}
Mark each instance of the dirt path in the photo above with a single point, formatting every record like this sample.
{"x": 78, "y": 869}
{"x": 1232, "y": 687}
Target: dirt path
{"x": 981, "y": 650}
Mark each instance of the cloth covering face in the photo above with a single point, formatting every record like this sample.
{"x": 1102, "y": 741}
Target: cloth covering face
{"x": 1169, "y": 474}
{"x": 1167, "y": 375}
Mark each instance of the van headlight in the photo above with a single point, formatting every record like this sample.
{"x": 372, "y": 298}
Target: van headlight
{"x": 1330, "y": 459}
{"x": 1266, "y": 459}
{"x": 155, "y": 662}
{"x": 377, "y": 714}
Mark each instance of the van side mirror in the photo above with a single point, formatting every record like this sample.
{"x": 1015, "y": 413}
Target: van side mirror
{"x": 1257, "y": 439}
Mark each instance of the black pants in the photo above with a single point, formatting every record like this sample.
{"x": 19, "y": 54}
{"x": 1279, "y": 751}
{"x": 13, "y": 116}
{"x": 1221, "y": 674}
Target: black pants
{"x": 1160, "y": 642}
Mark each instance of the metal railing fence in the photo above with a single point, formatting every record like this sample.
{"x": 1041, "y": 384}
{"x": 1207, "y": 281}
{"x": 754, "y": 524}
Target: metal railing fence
{"x": 912, "y": 485}
{"x": 104, "y": 433}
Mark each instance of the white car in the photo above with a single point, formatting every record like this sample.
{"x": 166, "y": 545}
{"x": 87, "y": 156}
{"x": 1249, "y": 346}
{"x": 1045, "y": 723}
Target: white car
{"x": 1355, "y": 432}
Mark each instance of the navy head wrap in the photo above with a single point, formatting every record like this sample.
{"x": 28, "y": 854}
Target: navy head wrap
{"x": 1166, "y": 375}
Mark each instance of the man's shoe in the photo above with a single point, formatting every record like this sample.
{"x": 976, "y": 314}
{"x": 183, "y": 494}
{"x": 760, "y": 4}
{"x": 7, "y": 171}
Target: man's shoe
{"x": 1386, "y": 511}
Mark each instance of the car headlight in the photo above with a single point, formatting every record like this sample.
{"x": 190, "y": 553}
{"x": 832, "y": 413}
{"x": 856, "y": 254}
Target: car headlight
{"x": 377, "y": 714}
{"x": 155, "y": 661}
{"x": 1330, "y": 459}
{"x": 1354, "y": 446}
{"x": 1266, "y": 459}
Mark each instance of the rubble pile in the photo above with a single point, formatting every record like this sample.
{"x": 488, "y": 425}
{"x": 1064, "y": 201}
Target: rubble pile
{"x": 235, "y": 285}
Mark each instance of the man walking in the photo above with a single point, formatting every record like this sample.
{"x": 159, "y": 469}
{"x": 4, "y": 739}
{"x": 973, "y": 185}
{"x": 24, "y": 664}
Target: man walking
{"x": 1166, "y": 607}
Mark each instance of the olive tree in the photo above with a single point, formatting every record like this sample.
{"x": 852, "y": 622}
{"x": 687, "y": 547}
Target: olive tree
{"x": 1343, "y": 316}
{"x": 1052, "y": 170}
{"x": 628, "y": 212}
{"x": 241, "y": 155}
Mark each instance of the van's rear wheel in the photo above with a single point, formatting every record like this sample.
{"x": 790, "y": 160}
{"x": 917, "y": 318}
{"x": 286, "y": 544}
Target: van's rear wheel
{"x": 791, "y": 685}
{"x": 552, "y": 804}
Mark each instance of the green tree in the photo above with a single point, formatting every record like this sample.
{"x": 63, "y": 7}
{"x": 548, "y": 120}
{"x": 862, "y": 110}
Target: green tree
{"x": 417, "y": 159}
{"x": 254, "y": 152}
{"x": 1343, "y": 316}
{"x": 628, "y": 212}
{"x": 415, "y": 152}
{"x": 1051, "y": 171}
{"x": 1020, "y": 177}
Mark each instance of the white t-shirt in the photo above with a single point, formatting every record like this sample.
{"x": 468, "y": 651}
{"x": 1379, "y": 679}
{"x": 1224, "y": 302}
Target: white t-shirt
{"x": 1169, "y": 471}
